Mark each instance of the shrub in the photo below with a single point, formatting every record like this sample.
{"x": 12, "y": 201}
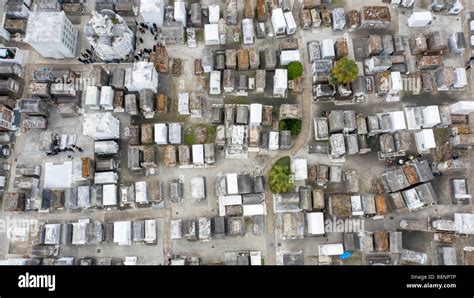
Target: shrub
{"x": 345, "y": 71}
{"x": 280, "y": 176}
{"x": 293, "y": 125}
{"x": 295, "y": 70}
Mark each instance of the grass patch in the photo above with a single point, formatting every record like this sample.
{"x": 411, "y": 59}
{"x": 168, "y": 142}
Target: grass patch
{"x": 373, "y": 144}
{"x": 280, "y": 176}
{"x": 211, "y": 132}
{"x": 293, "y": 125}
{"x": 441, "y": 135}
{"x": 190, "y": 136}
{"x": 355, "y": 259}
{"x": 199, "y": 35}
{"x": 238, "y": 100}
{"x": 169, "y": 107}
{"x": 276, "y": 112}
{"x": 182, "y": 118}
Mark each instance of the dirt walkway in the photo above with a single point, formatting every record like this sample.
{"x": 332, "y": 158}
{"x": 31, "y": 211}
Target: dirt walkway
{"x": 306, "y": 100}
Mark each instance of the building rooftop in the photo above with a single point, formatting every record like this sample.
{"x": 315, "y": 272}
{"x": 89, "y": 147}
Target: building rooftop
{"x": 107, "y": 30}
{"x": 45, "y": 27}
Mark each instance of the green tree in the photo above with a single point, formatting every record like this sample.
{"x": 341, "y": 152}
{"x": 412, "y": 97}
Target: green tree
{"x": 293, "y": 125}
{"x": 280, "y": 176}
{"x": 345, "y": 71}
{"x": 295, "y": 70}
{"x": 333, "y": 81}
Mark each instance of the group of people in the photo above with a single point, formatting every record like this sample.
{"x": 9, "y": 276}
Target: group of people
{"x": 86, "y": 57}
{"x": 143, "y": 28}
{"x": 71, "y": 148}
{"x": 145, "y": 51}
{"x": 56, "y": 148}
{"x": 468, "y": 63}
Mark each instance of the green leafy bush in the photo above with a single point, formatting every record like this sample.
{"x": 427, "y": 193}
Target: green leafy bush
{"x": 345, "y": 71}
{"x": 295, "y": 70}
{"x": 293, "y": 125}
{"x": 280, "y": 179}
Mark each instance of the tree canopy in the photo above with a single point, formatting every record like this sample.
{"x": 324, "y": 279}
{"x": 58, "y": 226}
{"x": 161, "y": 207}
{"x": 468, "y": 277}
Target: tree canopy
{"x": 295, "y": 70}
{"x": 345, "y": 71}
{"x": 280, "y": 176}
{"x": 293, "y": 125}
